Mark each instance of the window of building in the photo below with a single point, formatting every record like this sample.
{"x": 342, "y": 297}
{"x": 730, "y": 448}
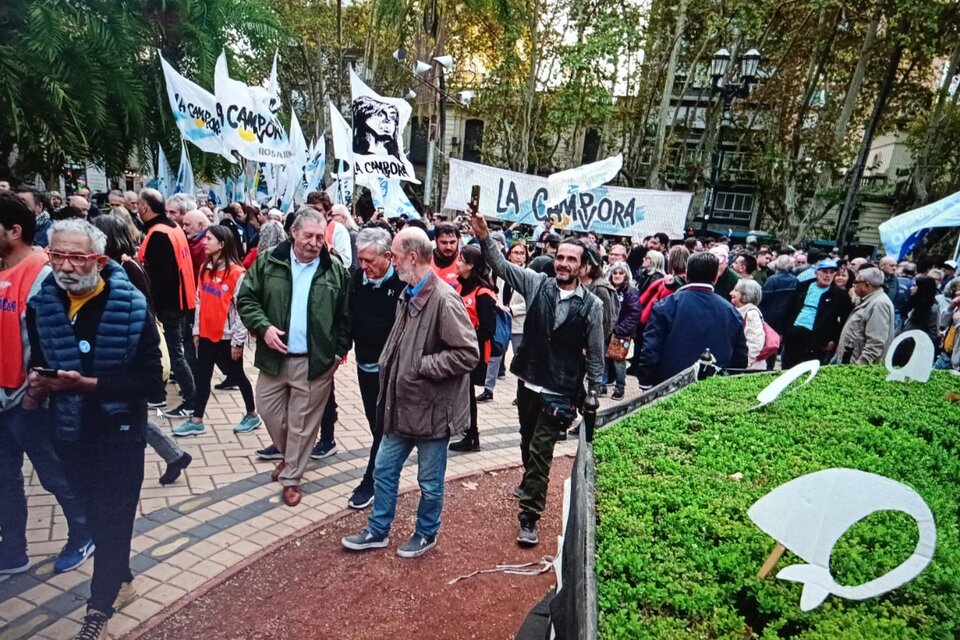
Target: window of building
{"x": 735, "y": 207}
{"x": 472, "y": 140}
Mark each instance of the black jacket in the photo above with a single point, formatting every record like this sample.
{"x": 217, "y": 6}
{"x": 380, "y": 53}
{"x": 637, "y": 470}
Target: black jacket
{"x": 372, "y": 311}
{"x": 832, "y": 312}
{"x": 160, "y": 263}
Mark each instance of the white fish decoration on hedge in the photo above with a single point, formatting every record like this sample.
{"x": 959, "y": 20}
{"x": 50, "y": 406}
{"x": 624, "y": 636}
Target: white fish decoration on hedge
{"x": 809, "y": 514}
{"x": 773, "y": 390}
{"x": 920, "y": 365}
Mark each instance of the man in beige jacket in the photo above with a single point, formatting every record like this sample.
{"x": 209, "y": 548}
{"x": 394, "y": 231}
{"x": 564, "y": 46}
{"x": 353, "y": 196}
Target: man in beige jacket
{"x": 869, "y": 329}
{"x": 424, "y": 399}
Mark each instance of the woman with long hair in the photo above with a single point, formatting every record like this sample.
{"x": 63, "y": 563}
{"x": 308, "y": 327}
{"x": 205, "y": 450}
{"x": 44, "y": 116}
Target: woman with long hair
{"x": 217, "y": 331}
{"x": 120, "y": 247}
{"x": 479, "y": 296}
{"x": 921, "y": 312}
{"x": 626, "y": 323}
{"x": 651, "y": 271}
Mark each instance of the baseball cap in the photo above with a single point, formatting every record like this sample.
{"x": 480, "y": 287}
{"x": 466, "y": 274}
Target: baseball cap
{"x": 950, "y": 263}
{"x": 827, "y": 264}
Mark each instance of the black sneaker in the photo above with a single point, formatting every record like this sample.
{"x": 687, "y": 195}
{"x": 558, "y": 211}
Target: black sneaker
{"x": 175, "y": 468}
{"x": 617, "y": 394}
{"x": 364, "y": 540}
{"x": 269, "y": 453}
{"x": 226, "y": 385}
{"x": 362, "y": 497}
{"x": 602, "y": 391}
{"x": 323, "y": 450}
{"x": 528, "y": 534}
{"x": 94, "y": 626}
{"x": 182, "y": 411}
{"x": 573, "y": 432}
{"x": 486, "y": 396}
{"x": 416, "y": 546}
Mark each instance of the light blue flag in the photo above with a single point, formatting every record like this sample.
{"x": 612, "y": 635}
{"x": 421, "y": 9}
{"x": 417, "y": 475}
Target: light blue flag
{"x": 185, "y": 183}
{"x": 164, "y": 179}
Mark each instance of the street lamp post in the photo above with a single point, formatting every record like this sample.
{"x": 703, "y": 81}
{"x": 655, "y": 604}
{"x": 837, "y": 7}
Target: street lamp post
{"x": 749, "y": 64}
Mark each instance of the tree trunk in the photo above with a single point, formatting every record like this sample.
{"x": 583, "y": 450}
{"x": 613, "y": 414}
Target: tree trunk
{"x": 853, "y": 189}
{"x": 653, "y": 179}
{"x": 922, "y": 175}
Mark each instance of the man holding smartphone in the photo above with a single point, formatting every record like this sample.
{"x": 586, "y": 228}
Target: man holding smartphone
{"x": 21, "y": 432}
{"x": 564, "y": 321}
{"x": 91, "y": 326}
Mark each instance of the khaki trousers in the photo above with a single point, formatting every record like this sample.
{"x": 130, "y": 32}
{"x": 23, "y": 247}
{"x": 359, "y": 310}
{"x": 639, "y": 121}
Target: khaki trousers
{"x": 292, "y": 406}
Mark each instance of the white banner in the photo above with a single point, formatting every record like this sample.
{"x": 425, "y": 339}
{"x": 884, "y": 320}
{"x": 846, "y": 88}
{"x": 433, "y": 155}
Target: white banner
{"x": 248, "y": 117}
{"x": 378, "y": 125}
{"x": 185, "y": 183}
{"x": 563, "y": 184}
{"x": 342, "y": 135}
{"x": 195, "y": 112}
{"x": 518, "y": 197}
{"x": 293, "y": 179}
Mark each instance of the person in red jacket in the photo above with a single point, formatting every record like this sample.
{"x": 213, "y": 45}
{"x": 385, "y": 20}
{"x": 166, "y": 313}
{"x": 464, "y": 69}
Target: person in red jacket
{"x": 217, "y": 331}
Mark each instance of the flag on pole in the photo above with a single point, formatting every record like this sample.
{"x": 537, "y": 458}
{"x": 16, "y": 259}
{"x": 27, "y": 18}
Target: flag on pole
{"x": 185, "y": 182}
{"x": 249, "y": 117}
{"x": 164, "y": 178}
{"x": 342, "y": 136}
{"x": 293, "y": 179}
{"x": 341, "y": 190}
{"x": 316, "y": 164}
{"x": 378, "y": 125}
{"x": 388, "y": 194}
{"x": 195, "y": 112}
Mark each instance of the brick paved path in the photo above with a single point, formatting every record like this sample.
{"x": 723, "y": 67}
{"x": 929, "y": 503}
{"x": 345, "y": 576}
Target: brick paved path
{"x": 223, "y": 510}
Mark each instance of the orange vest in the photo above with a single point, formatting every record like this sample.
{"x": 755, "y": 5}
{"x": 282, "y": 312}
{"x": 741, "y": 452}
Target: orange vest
{"x": 470, "y": 301}
{"x": 217, "y": 291}
{"x": 448, "y": 274}
{"x": 181, "y": 251}
{"x": 15, "y": 285}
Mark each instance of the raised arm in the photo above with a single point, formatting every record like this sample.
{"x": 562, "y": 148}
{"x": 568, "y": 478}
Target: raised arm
{"x": 523, "y": 280}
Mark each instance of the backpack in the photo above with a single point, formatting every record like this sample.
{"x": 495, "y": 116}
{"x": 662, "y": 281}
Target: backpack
{"x": 501, "y": 337}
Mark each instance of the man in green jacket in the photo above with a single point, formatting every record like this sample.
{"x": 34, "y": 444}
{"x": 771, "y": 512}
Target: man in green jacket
{"x": 295, "y": 299}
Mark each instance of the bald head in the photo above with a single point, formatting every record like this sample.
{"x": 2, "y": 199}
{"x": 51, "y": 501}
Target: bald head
{"x": 412, "y": 253}
{"x": 150, "y": 204}
{"x": 194, "y": 222}
{"x": 80, "y": 203}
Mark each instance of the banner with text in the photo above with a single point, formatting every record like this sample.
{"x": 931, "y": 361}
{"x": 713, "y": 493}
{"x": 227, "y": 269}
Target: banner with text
{"x": 195, "y": 110}
{"x": 378, "y": 125}
{"x": 518, "y": 197}
{"x": 248, "y": 117}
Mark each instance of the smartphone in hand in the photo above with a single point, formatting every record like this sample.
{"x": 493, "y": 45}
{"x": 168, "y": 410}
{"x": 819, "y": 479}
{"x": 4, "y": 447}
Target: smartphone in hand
{"x": 46, "y": 373}
{"x": 475, "y": 198}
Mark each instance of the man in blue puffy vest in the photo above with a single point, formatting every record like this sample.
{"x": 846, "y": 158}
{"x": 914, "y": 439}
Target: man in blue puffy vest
{"x": 95, "y": 356}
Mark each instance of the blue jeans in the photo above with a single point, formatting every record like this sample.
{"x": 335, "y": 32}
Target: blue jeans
{"x": 431, "y": 468}
{"x": 31, "y": 432}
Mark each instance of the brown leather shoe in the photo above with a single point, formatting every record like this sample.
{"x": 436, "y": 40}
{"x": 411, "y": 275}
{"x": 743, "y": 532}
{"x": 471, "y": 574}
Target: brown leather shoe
{"x": 291, "y": 496}
{"x": 276, "y": 472}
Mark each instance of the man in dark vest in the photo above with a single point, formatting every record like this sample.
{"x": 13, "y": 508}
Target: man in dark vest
{"x": 564, "y": 320}
{"x": 95, "y": 355}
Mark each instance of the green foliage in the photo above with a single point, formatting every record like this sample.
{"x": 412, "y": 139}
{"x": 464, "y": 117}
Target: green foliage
{"x": 677, "y": 556}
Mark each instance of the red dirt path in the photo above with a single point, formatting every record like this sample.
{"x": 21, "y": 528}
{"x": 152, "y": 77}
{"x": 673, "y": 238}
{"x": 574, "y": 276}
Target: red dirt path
{"x": 312, "y": 588}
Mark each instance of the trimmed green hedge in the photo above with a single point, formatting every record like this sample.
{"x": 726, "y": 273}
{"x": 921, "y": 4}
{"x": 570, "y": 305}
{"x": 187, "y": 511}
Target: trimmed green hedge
{"x": 677, "y": 556}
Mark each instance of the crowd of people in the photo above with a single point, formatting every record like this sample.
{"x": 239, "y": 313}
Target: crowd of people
{"x": 102, "y": 309}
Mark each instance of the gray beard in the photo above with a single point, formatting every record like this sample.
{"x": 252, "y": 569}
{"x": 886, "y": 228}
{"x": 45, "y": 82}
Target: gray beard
{"x": 77, "y": 285}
